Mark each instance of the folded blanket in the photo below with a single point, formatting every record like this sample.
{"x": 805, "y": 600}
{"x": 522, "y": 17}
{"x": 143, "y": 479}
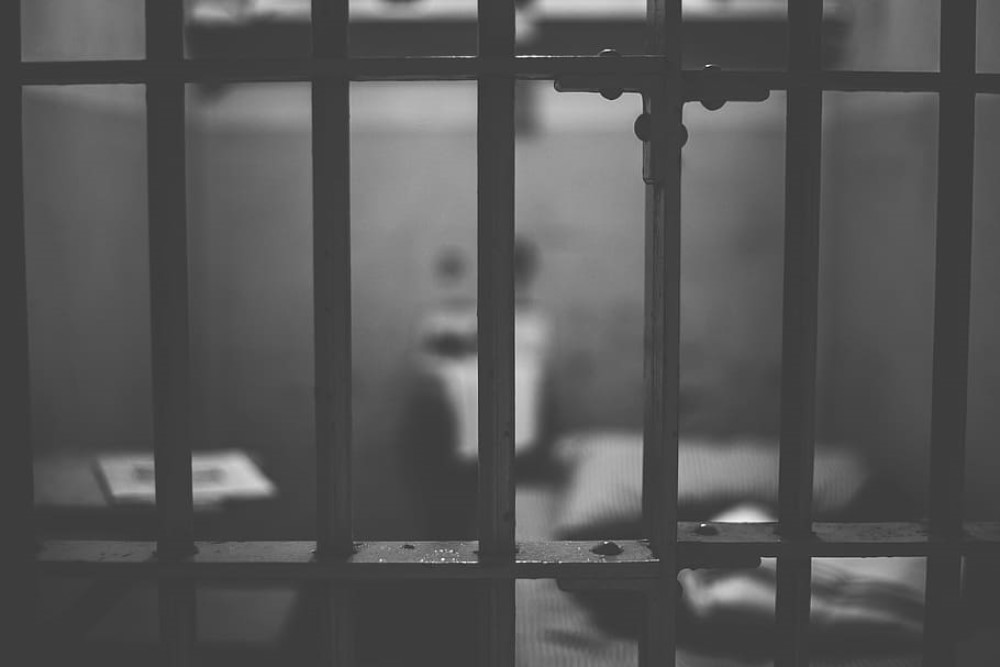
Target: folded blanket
{"x": 870, "y": 603}
{"x": 604, "y": 496}
{"x": 555, "y": 631}
{"x": 857, "y": 604}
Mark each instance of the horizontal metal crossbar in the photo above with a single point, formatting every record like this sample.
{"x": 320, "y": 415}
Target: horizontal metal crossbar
{"x": 585, "y": 12}
{"x": 434, "y": 68}
{"x": 372, "y": 560}
{"x": 699, "y": 545}
{"x": 358, "y": 69}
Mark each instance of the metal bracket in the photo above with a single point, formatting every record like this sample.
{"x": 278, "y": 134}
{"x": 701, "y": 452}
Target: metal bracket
{"x": 707, "y": 86}
{"x": 713, "y": 90}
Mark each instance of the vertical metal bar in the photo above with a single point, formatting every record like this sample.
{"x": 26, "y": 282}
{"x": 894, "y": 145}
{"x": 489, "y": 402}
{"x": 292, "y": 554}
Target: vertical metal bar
{"x": 803, "y": 155}
{"x": 169, "y": 297}
{"x": 495, "y": 641}
{"x": 662, "y": 289}
{"x": 495, "y": 243}
{"x": 331, "y": 144}
{"x": 662, "y": 172}
{"x": 332, "y": 284}
{"x": 16, "y": 488}
{"x": 658, "y": 641}
{"x": 177, "y": 622}
{"x": 335, "y": 616}
{"x": 168, "y": 268}
{"x": 952, "y": 285}
{"x": 496, "y": 296}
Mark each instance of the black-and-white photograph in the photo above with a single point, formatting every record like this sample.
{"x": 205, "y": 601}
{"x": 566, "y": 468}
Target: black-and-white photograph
{"x": 500, "y": 333}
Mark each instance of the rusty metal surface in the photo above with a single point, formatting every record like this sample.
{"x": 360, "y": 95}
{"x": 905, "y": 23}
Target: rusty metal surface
{"x": 734, "y": 543}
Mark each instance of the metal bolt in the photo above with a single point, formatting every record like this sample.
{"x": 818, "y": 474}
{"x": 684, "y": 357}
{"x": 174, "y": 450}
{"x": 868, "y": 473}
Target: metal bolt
{"x": 610, "y": 93}
{"x": 643, "y": 127}
{"x": 712, "y": 104}
{"x": 706, "y": 529}
{"x": 607, "y": 548}
{"x": 683, "y": 139}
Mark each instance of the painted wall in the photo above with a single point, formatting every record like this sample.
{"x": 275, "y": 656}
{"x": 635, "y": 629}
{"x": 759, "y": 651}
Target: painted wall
{"x": 880, "y": 210}
{"x": 579, "y": 199}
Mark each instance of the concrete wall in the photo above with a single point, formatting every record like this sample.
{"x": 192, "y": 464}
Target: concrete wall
{"x": 579, "y": 199}
{"x": 880, "y": 212}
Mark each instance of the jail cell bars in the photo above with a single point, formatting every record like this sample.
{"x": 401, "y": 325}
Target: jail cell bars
{"x": 334, "y": 561}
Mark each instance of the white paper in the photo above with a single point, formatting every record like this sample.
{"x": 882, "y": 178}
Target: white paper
{"x": 216, "y": 476}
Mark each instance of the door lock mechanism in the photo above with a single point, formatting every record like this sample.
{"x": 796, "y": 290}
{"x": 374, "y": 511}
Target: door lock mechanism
{"x": 710, "y": 86}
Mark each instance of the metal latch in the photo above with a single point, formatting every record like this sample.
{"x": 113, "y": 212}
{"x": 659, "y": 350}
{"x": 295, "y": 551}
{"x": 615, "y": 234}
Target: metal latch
{"x": 708, "y": 86}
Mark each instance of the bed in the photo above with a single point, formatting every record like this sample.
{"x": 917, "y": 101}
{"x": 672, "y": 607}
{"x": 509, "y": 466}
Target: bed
{"x": 866, "y": 612}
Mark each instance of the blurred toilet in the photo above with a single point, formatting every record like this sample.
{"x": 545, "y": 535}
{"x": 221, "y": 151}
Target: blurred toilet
{"x": 445, "y": 442}
{"x": 449, "y": 356}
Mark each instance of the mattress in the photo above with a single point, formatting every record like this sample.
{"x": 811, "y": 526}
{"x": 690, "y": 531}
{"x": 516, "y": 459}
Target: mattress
{"x": 555, "y": 630}
{"x": 599, "y": 498}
